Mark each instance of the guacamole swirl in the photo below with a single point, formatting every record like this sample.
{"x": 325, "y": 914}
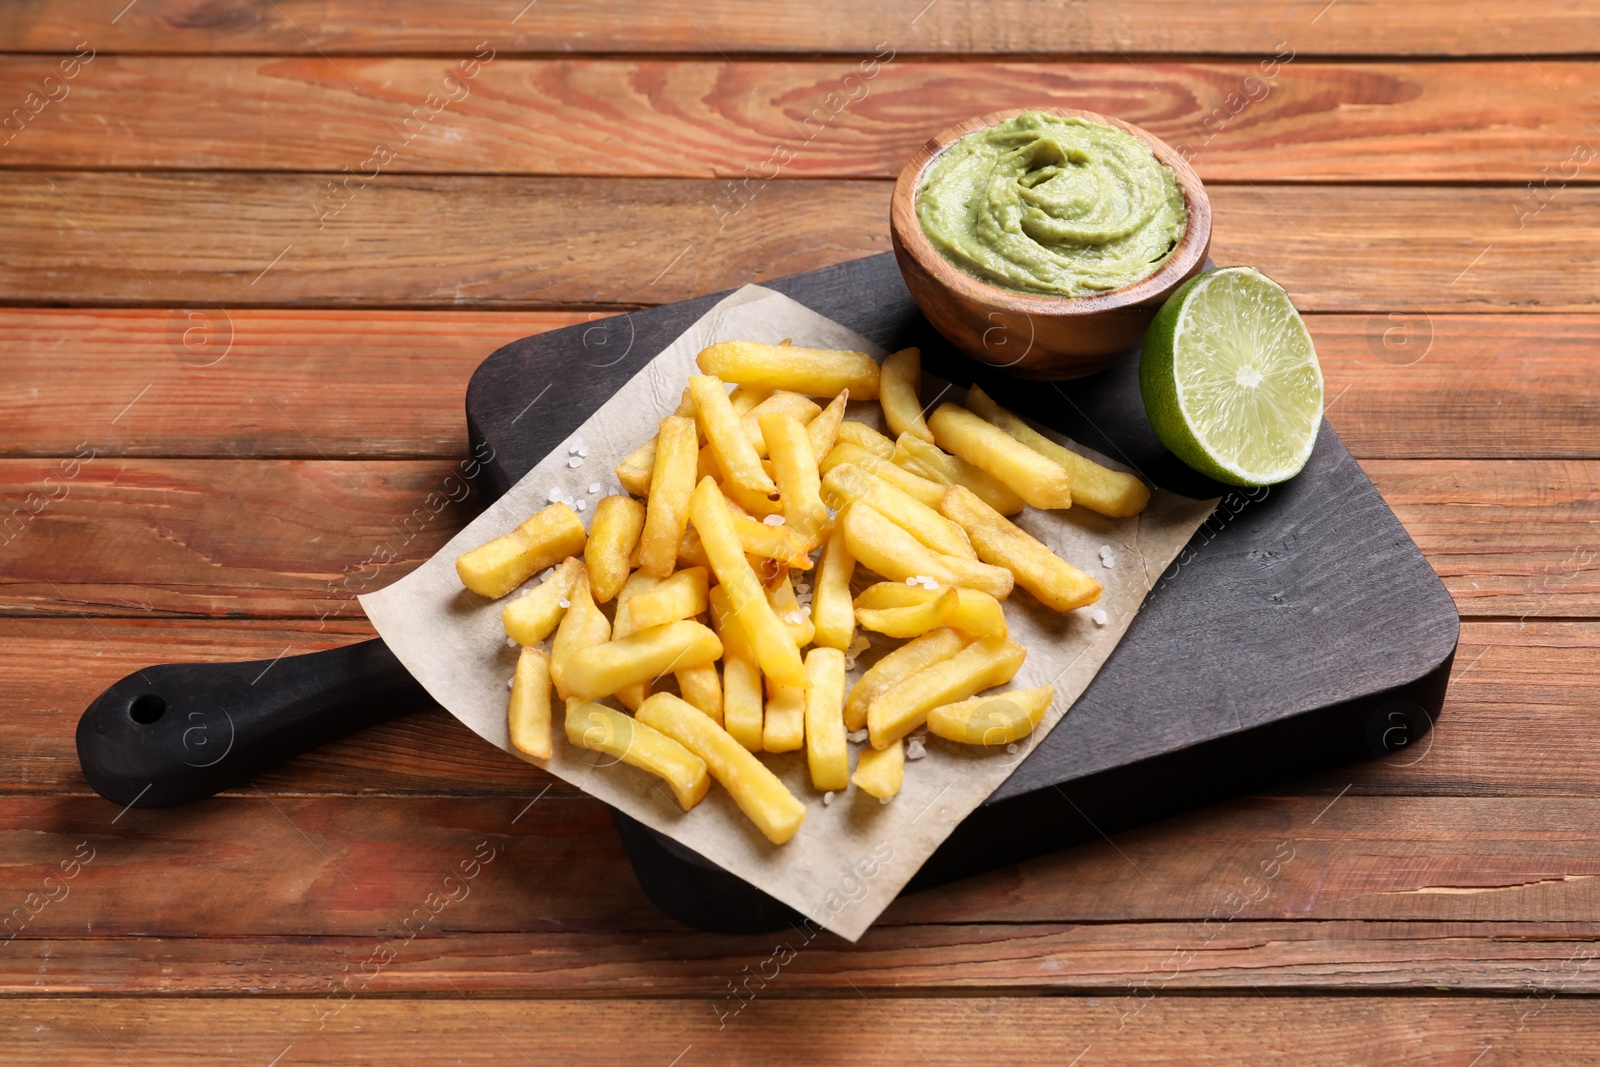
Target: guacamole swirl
{"x": 1052, "y": 205}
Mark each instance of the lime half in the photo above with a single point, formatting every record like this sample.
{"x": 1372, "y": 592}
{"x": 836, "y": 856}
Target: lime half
{"x": 1230, "y": 378}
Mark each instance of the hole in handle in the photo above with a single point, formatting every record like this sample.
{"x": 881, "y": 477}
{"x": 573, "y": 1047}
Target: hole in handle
{"x": 147, "y": 709}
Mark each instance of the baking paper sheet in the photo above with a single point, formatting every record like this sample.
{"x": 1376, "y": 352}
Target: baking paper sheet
{"x": 852, "y": 856}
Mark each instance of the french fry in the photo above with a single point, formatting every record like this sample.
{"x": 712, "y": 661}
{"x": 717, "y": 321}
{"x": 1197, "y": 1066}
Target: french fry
{"x": 804, "y": 410}
{"x": 601, "y": 729}
{"x": 729, "y": 629}
{"x": 920, "y": 489}
{"x": 528, "y": 710}
{"x": 833, "y": 618}
{"x": 691, "y": 553}
{"x": 614, "y": 534}
{"x": 911, "y": 620}
{"x": 981, "y": 665}
{"x": 812, "y": 371}
{"x": 1115, "y": 494}
{"x": 863, "y": 436}
{"x": 1019, "y": 468}
{"x": 744, "y": 399}
{"x": 824, "y": 429}
{"x": 781, "y": 543}
{"x": 495, "y": 568}
{"x": 622, "y": 625}
{"x": 1057, "y": 583}
{"x": 974, "y": 613}
{"x": 633, "y": 473}
{"x": 784, "y": 727}
{"x": 787, "y": 607}
{"x": 794, "y": 467}
{"x": 905, "y": 661}
{"x": 774, "y": 648}
{"x": 995, "y": 719}
{"x": 847, "y": 483}
{"x": 533, "y": 616}
{"x": 900, "y": 393}
{"x": 599, "y": 670}
{"x": 933, "y": 463}
{"x": 880, "y": 771}
{"x": 582, "y": 626}
{"x": 827, "y": 755}
{"x": 702, "y": 688}
{"x": 758, "y": 792}
{"x": 671, "y": 483}
{"x": 726, "y": 439}
{"x": 741, "y": 700}
{"x": 682, "y": 596}
{"x": 880, "y": 545}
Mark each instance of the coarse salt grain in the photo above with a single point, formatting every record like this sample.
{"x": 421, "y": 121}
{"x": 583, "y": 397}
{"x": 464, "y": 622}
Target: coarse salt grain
{"x": 576, "y": 446}
{"x": 1107, "y": 562}
{"x": 594, "y": 487}
{"x": 584, "y": 452}
{"x": 581, "y": 504}
{"x": 915, "y": 749}
{"x": 1012, "y": 748}
{"x": 575, "y": 462}
{"x": 1100, "y": 618}
{"x": 511, "y": 642}
{"x": 857, "y": 736}
{"x": 564, "y": 602}
{"x": 773, "y": 520}
{"x": 511, "y": 681}
{"x": 883, "y": 800}
{"x": 555, "y": 495}
{"x": 1105, "y": 550}
{"x": 827, "y": 798}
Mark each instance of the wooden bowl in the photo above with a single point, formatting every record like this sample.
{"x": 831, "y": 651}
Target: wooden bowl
{"x": 1040, "y": 337}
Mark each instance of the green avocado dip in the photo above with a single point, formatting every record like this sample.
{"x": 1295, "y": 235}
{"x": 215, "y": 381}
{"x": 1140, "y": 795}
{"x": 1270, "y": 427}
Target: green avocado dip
{"x": 1052, "y": 205}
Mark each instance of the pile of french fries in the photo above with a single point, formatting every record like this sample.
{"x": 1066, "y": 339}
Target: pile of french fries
{"x": 743, "y": 490}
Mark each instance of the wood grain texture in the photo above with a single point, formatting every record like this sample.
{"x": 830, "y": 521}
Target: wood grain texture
{"x": 237, "y": 240}
{"x": 1129, "y": 962}
{"x": 302, "y": 538}
{"x": 1524, "y": 691}
{"x": 369, "y": 383}
{"x": 316, "y": 866}
{"x": 1096, "y": 27}
{"x": 1278, "y": 119}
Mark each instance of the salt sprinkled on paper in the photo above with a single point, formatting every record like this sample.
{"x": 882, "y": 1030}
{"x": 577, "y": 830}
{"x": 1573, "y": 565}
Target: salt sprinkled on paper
{"x": 914, "y": 749}
{"x": 575, "y": 462}
{"x": 581, "y": 504}
{"x": 827, "y": 798}
{"x": 857, "y": 736}
{"x": 576, "y": 448}
{"x": 1099, "y": 616}
{"x": 511, "y": 681}
{"x": 594, "y": 487}
{"x": 511, "y": 642}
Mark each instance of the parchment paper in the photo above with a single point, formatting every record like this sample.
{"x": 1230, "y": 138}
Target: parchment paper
{"x": 853, "y": 855}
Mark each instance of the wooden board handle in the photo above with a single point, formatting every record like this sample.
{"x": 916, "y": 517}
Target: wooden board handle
{"x": 178, "y": 732}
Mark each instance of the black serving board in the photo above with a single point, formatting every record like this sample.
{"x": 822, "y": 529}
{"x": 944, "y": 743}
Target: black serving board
{"x": 1301, "y": 627}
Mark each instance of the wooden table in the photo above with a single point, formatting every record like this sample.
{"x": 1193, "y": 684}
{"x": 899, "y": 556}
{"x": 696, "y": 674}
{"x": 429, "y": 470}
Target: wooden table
{"x": 235, "y": 340}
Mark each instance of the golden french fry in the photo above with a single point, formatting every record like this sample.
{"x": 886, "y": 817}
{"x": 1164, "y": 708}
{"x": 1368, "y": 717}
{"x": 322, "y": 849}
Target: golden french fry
{"x": 757, "y": 791}
{"x": 812, "y": 371}
{"x": 622, "y": 625}
{"x": 910, "y": 620}
{"x": 909, "y": 659}
{"x": 827, "y": 755}
{"x": 671, "y": 482}
{"x": 974, "y": 613}
{"x": 794, "y": 467}
{"x": 499, "y": 566}
{"x": 803, "y": 409}
{"x": 1016, "y": 466}
{"x": 787, "y": 607}
{"x": 784, "y": 729}
{"x": 601, "y": 729}
{"x": 833, "y": 619}
{"x": 920, "y": 489}
{"x": 1001, "y": 542}
{"x": 775, "y": 650}
{"x": 781, "y": 543}
{"x": 933, "y": 463}
{"x": 735, "y": 642}
{"x": 682, "y": 596}
{"x": 741, "y": 699}
{"x": 899, "y": 391}
{"x": 702, "y": 689}
{"x": 880, "y": 771}
{"x": 981, "y": 665}
{"x": 634, "y": 470}
{"x": 880, "y": 545}
{"x": 726, "y": 439}
{"x": 528, "y": 711}
{"x": 533, "y": 616}
{"x": 824, "y": 429}
{"x": 614, "y": 534}
{"x": 744, "y": 399}
{"x": 847, "y": 483}
{"x": 863, "y": 436}
{"x": 583, "y": 625}
{"x": 599, "y": 670}
{"x": 995, "y": 719}
{"x": 1115, "y": 494}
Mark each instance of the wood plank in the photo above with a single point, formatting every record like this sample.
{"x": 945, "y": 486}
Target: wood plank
{"x": 237, "y": 240}
{"x": 319, "y": 866}
{"x": 299, "y": 538}
{"x": 1099, "y": 27}
{"x": 1525, "y": 692}
{"x": 1131, "y": 961}
{"x": 368, "y": 383}
{"x": 1245, "y": 120}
